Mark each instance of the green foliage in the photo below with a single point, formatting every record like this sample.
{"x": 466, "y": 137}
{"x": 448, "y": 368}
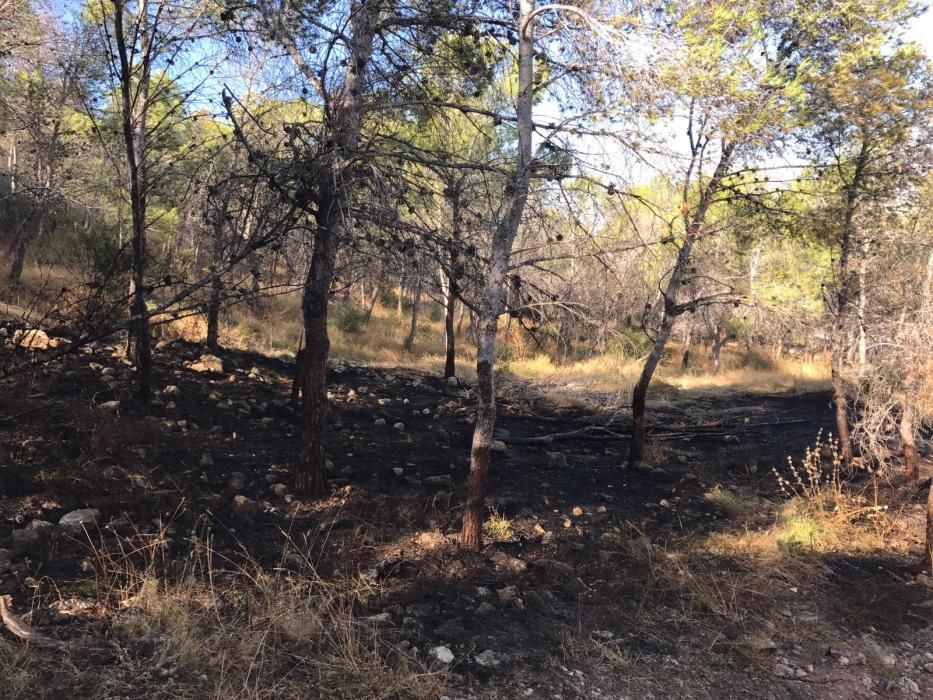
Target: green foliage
{"x": 350, "y": 318}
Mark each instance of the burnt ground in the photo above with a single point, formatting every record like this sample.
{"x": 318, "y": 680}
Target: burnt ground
{"x": 604, "y": 587}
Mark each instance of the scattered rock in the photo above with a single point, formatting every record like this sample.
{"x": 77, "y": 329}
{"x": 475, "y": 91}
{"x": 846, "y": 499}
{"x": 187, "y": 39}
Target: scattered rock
{"x": 784, "y": 671}
{"x": 379, "y": 422}
{"x": 6, "y": 560}
{"x": 507, "y": 595}
{"x": 507, "y": 562}
{"x": 78, "y": 519}
{"x": 279, "y": 490}
{"x": 555, "y": 460}
{"x": 32, "y": 339}
{"x": 26, "y": 541}
{"x": 489, "y": 659}
{"x": 643, "y": 467}
{"x": 499, "y": 446}
{"x": 208, "y": 363}
{"x": 399, "y": 426}
{"x": 244, "y": 509}
{"x": 485, "y": 608}
{"x": 109, "y": 405}
{"x": 380, "y": 619}
{"x": 577, "y": 511}
{"x": 442, "y": 654}
{"x": 908, "y": 685}
{"x": 171, "y": 390}
{"x": 453, "y": 382}
{"x": 925, "y": 580}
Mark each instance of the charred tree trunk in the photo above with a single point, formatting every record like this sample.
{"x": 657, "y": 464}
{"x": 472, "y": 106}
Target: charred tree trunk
{"x": 450, "y": 348}
{"x": 491, "y": 304}
{"x": 671, "y": 307}
{"x": 332, "y": 218}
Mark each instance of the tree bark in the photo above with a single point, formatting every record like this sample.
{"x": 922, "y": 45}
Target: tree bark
{"x": 332, "y": 225}
{"x": 716, "y": 350}
{"x": 671, "y": 308}
{"x": 491, "y": 305}
{"x": 134, "y": 112}
{"x": 373, "y": 298}
{"x": 415, "y": 307}
{"x": 450, "y": 348}
{"x": 908, "y": 443}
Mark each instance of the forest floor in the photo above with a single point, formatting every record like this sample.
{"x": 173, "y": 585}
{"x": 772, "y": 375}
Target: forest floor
{"x": 200, "y": 575}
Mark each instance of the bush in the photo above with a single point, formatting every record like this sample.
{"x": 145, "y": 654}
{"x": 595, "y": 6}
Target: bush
{"x": 350, "y": 319}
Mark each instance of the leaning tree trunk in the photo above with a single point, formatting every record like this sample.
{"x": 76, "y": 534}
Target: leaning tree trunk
{"x": 332, "y": 226}
{"x": 491, "y": 305}
{"x": 373, "y": 298}
{"x": 671, "y": 308}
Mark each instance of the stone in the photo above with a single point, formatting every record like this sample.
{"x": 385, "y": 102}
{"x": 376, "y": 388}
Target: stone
{"x": 507, "y": 595}
{"x": 208, "y": 364}
{"x": 79, "y": 519}
{"x": 452, "y": 382}
{"x": 206, "y": 461}
{"x": 925, "y": 580}
{"x": 379, "y": 422}
{"x": 442, "y": 654}
{"x": 499, "y": 446}
{"x": 380, "y": 619}
{"x": 44, "y": 527}
{"x": 643, "y": 467}
{"x": 244, "y": 509}
{"x": 279, "y": 490}
{"x": 577, "y": 511}
{"x": 908, "y": 685}
{"x": 26, "y": 541}
{"x": 398, "y": 471}
{"x": 485, "y": 608}
{"x": 399, "y": 426}
{"x": 555, "y": 460}
{"x": 783, "y": 671}
{"x": 237, "y": 481}
{"x": 507, "y": 562}
{"x": 32, "y": 339}
{"x": 171, "y": 390}
{"x": 109, "y": 405}
{"x": 489, "y": 659}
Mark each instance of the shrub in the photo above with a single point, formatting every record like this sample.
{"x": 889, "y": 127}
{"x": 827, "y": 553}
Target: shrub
{"x": 350, "y": 319}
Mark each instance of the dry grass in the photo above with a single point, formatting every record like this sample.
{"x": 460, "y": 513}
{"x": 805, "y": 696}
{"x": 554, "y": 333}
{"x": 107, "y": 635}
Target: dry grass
{"x": 229, "y": 629}
{"x": 498, "y": 528}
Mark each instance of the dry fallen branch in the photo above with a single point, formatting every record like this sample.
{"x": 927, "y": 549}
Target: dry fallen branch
{"x": 22, "y": 630}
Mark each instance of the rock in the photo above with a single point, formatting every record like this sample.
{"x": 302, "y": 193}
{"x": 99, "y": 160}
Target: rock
{"x": 499, "y": 446}
{"x": 555, "y": 568}
{"x": 442, "y": 654}
{"x": 577, "y": 511}
{"x": 485, "y": 608}
{"x": 206, "y": 461}
{"x": 79, "y": 519}
{"x": 237, "y": 481}
{"x": 399, "y": 426}
{"x": 908, "y": 685}
{"x": 784, "y": 671}
{"x": 489, "y": 659}
{"x": 643, "y": 467}
{"x": 507, "y": 595}
{"x": 171, "y": 390}
{"x": 925, "y": 580}
{"x": 507, "y": 562}
{"x": 32, "y": 339}
{"x": 607, "y": 635}
{"x": 555, "y": 460}
{"x": 379, "y": 422}
{"x": 380, "y": 619}
{"x": 279, "y": 490}
{"x": 244, "y": 509}
{"x": 453, "y": 382}
{"x": 208, "y": 363}
{"x": 109, "y": 405}
{"x": 26, "y": 541}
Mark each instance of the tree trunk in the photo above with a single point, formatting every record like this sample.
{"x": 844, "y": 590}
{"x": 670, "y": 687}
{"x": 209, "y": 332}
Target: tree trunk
{"x": 450, "y": 349}
{"x": 134, "y": 112}
{"x": 332, "y": 226}
{"x": 373, "y": 298}
{"x": 491, "y": 306}
{"x": 671, "y": 308}
{"x": 929, "y": 559}
{"x": 415, "y": 306}
{"x": 688, "y": 337}
{"x": 18, "y": 251}
{"x": 717, "y": 348}
{"x": 908, "y": 444}
{"x": 213, "y": 315}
